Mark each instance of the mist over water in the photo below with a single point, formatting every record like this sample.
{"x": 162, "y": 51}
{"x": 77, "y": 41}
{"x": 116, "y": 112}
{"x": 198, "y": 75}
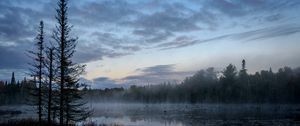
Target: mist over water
{"x": 195, "y": 114}
{"x": 171, "y": 114}
{"x": 202, "y": 99}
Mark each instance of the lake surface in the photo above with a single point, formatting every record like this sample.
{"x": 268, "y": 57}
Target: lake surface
{"x": 131, "y": 114}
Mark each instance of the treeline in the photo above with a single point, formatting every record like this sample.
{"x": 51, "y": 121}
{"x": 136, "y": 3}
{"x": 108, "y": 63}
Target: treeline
{"x": 210, "y": 86}
{"x": 15, "y": 92}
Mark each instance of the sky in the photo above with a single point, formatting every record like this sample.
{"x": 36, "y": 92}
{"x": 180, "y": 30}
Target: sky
{"x": 146, "y": 42}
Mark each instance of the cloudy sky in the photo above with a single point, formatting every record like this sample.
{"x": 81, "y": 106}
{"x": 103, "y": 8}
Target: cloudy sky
{"x": 149, "y": 42}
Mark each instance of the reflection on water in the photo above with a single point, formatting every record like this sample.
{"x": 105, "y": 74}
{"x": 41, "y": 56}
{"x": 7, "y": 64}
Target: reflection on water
{"x": 181, "y": 114}
{"x": 15, "y": 112}
{"x": 126, "y": 121}
{"x": 197, "y": 114}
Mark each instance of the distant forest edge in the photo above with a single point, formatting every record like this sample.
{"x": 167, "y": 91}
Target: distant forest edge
{"x": 206, "y": 86}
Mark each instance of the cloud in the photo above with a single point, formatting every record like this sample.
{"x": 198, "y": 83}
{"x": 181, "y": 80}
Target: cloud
{"x": 269, "y": 32}
{"x": 112, "y": 28}
{"x": 249, "y": 7}
{"x": 115, "y": 42}
{"x": 13, "y": 57}
{"x": 169, "y": 20}
{"x": 156, "y": 75}
{"x": 259, "y": 34}
{"x": 18, "y": 27}
{"x": 107, "y": 11}
{"x": 148, "y": 75}
{"x": 13, "y": 25}
{"x": 161, "y": 25}
{"x": 150, "y": 35}
{"x": 88, "y": 54}
{"x": 105, "y": 82}
{"x": 274, "y": 17}
{"x": 104, "y": 44}
{"x": 157, "y": 69}
{"x": 17, "y": 31}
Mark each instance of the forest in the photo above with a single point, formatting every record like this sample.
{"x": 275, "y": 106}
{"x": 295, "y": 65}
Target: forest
{"x": 205, "y": 86}
{"x": 210, "y": 86}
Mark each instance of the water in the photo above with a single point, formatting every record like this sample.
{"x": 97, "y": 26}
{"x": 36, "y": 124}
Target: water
{"x": 135, "y": 114}
{"x": 195, "y": 114}
{"x": 15, "y": 112}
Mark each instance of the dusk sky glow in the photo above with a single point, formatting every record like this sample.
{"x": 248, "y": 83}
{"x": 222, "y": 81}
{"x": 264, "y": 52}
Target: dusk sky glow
{"x": 153, "y": 41}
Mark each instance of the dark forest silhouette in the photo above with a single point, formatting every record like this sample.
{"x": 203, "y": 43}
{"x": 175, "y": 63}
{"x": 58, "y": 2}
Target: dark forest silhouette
{"x": 205, "y": 86}
{"x": 209, "y": 86}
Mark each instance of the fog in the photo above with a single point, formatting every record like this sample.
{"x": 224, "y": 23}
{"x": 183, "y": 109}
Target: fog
{"x": 138, "y": 114}
{"x": 206, "y": 98}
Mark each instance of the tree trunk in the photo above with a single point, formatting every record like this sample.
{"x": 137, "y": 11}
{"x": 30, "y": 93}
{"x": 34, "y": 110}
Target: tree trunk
{"x": 50, "y": 86}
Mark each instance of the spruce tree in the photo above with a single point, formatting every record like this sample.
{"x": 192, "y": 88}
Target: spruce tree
{"x": 13, "y": 80}
{"x": 244, "y": 82}
{"x": 71, "y": 107}
{"x": 37, "y": 67}
{"x": 243, "y": 71}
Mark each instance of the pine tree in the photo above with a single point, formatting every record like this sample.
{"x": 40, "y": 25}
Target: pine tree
{"x": 244, "y": 82}
{"x": 243, "y": 71}
{"x": 70, "y": 103}
{"x": 13, "y": 80}
{"x": 37, "y": 67}
{"x": 243, "y": 64}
